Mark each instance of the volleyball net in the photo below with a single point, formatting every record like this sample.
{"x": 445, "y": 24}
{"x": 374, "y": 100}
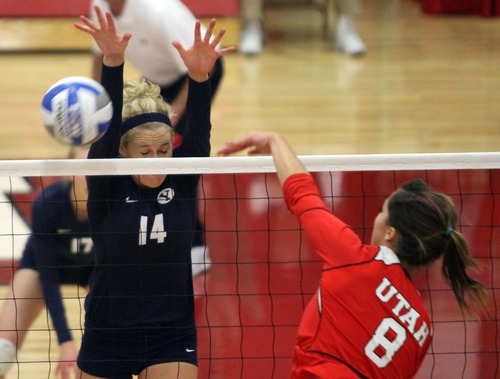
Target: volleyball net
{"x": 262, "y": 270}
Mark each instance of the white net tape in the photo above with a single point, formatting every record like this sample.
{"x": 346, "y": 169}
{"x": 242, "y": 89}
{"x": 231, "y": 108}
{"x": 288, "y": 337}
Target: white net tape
{"x": 223, "y": 165}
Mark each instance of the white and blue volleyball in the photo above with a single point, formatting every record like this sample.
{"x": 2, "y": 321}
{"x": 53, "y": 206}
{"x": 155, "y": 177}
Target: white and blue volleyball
{"x": 76, "y": 110}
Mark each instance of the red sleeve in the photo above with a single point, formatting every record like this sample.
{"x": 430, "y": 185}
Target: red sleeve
{"x": 334, "y": 241}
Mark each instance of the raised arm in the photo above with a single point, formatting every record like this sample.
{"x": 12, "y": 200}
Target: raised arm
{"x": 266, "y": 143}
{"x": 201, "y": 57}
{"x": 111, "y": 43}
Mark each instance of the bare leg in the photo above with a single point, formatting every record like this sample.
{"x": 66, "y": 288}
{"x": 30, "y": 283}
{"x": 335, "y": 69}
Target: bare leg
{"x": 349, "y": 8}
{"x": 83, "y": 375}
{"x": 23, "y": 304}
{"x": 174, "y": 370}
{"x": 252, "y": 34}
{"x": 252, "y": 10}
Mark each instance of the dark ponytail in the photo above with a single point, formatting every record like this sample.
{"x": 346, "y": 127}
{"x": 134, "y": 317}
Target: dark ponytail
{"x": 425, "y": 221}
{"x": 456, "y": 261}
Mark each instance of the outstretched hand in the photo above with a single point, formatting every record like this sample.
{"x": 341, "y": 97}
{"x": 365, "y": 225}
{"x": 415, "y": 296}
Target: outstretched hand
{"x": 201, "y": 57}
{"x": 111, "y": 43}
{"x": 66, "y": 367}
{"x": 285, "y": 160}
{"x": 256, "y": 142}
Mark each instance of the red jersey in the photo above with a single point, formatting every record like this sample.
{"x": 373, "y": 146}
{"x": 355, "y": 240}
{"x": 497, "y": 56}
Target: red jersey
{"x": 367, "y": 319}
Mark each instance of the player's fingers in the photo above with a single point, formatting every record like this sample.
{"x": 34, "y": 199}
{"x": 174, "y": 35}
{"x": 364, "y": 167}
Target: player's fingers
{"x": 65, "y": 374}
{"x": 240, "y": 145}
{"x": 179, "y": 48}
{"x": 89, "y": 25}
{"x": 218, "y": 37}
{"x": 110, "y": 21}
{"x": 59, "y": 371}
{"x": 83, "y": 28}
{"x": 227, "y": 50}
{"x": 126, "y": 37}
{"x": 100, "y": 16}
{"x": 227, "y": 149}
{"x": 86, "y": 21}
{"x": 77, "y": 26}
{"x": 197, "y": 31}
{"x": 67, "y": 369}
{"x": 209, "y": 31}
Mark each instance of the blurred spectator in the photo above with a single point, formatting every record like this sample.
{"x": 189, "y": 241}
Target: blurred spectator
{"x": 345, "y": 37}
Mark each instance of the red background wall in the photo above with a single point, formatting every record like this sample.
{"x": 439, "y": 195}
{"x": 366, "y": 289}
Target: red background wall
{"x": 74, "y": 8}
{"x": 480, "y": 7}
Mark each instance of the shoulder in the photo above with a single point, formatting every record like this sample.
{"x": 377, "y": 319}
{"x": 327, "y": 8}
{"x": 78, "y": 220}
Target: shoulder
{"x": 52, "y": 207}
{"x": 52, "y": 202}
{"x": 56, "y": 191}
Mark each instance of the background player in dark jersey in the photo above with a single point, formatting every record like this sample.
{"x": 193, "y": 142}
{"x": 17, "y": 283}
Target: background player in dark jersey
{"x": 367, "y": 318}
{"x": 59, "y": 251}
{"x": 140, "y": 309}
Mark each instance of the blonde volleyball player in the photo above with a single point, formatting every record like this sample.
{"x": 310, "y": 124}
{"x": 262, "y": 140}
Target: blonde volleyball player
{"x": 153, "y": 23}
{"x": 139, "y": 317}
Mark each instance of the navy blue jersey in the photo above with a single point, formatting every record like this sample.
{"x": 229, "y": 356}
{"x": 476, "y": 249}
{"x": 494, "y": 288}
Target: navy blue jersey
{"x": 143, "y": 236}
{"x": 61, "y": 247}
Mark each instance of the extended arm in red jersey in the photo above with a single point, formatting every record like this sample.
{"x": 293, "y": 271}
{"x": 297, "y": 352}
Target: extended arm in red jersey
{"x": 333, "y": 240}
{"x": 285, "y": 160}
{"x": 325, "y": 231}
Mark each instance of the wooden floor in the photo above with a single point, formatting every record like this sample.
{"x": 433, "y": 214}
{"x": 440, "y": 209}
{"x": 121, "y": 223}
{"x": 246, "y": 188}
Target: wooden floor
{"x": 40, "y": 353}
{"x": 427, "y": 84}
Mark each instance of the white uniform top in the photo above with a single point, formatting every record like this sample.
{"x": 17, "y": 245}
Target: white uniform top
{"x": 154, "y": 24}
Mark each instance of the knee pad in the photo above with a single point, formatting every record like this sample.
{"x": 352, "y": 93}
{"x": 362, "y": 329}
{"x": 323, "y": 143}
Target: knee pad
{"x": 8, "y": 356}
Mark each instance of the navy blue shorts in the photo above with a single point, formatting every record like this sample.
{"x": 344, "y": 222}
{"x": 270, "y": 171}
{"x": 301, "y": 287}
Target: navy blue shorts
{"x": 121, "y": 353}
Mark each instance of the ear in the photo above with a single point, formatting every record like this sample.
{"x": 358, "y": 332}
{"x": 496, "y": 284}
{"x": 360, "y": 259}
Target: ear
{"x": 390, "y": 234}
{"x": 121, "y": 150}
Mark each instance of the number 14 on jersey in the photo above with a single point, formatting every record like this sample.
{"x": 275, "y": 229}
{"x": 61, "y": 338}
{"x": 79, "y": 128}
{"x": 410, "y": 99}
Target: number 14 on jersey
{"x": 157, "y": 233}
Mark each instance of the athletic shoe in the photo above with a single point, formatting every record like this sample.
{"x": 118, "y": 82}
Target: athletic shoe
{"x": 347, "y": 39}
{"x": 251, "y": 39}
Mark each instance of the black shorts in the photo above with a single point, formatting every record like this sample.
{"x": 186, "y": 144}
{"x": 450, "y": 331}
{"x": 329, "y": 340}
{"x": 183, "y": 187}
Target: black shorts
{"x": 68, "y": 273}
{"x": 121, "y": 353}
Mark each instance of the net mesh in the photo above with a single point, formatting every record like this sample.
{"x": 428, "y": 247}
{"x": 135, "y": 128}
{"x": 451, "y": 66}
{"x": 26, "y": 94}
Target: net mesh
{"x": 260, "y": 271}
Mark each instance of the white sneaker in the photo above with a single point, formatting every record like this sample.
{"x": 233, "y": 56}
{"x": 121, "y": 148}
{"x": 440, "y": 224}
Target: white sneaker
{"x": 251, "y": 39}
{"x": 347, "y": 39}
{"x": 200, "y": 259}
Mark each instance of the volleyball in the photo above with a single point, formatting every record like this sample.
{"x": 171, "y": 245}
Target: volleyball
{"x": 76, "y": 110}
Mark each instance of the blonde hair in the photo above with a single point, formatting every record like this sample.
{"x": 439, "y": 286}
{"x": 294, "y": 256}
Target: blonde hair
{"x": 142, "y": 97}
